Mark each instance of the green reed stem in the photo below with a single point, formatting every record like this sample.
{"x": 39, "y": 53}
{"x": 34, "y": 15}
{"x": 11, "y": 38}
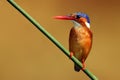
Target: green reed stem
{"x": 51, "y": 38}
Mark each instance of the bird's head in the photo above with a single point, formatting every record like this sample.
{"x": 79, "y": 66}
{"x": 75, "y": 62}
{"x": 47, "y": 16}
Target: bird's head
{"x": 78, "y": 18}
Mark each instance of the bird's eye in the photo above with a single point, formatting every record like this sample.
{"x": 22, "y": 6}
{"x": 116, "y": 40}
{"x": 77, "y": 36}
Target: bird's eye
{"x": 77, "y": 16}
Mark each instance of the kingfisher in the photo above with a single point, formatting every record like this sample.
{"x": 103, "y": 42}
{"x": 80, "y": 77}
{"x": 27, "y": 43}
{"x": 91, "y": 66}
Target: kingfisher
{"x": 80, "y": 38}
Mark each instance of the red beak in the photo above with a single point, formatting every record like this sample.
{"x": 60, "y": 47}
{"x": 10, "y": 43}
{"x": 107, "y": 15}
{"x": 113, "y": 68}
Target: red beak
{"x": 64, "y": 17}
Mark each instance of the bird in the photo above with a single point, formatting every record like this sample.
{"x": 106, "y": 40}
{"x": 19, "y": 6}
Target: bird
{"x": 80, "y": 37}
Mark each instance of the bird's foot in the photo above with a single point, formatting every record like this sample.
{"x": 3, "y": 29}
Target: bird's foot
{"x": 71, "y": 54}
{"x": 83, "y": 65}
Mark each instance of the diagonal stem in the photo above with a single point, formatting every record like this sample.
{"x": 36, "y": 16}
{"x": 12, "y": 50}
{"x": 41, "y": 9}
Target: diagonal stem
{"x": 51, "y": 38}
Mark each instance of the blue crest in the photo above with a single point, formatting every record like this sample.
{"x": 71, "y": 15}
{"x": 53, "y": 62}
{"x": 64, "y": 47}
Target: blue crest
{"x": 80, "y": 14}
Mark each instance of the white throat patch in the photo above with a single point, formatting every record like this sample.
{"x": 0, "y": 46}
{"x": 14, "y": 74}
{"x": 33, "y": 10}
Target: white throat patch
{"x": 76, "y": 24}
{"x": 87, "y": 24}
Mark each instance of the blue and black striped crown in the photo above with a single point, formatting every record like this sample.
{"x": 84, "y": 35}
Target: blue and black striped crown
{"x": 80, "y": 14}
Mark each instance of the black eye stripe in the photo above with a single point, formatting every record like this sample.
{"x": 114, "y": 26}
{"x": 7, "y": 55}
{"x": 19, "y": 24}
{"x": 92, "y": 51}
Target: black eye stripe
{"x": 77, "y": 16}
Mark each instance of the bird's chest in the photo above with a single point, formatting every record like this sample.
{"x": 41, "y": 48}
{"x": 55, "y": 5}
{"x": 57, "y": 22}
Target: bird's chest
{"x": 80, "y": 38}
{"x": 80, "y": 41}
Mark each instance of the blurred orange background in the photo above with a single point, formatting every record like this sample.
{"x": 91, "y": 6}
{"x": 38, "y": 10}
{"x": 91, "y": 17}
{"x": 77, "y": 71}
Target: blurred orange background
{"x": 26, "y": 54}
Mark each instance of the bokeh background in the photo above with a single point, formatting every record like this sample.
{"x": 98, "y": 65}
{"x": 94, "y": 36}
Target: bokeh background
{"x": 26, "y": 54}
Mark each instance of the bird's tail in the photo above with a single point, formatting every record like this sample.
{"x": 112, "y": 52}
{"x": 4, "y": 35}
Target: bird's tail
{"x": 76, "y": 68}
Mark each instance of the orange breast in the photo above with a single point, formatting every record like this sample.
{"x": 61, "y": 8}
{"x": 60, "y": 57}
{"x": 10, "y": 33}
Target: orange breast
{"x": 80, "y": 42}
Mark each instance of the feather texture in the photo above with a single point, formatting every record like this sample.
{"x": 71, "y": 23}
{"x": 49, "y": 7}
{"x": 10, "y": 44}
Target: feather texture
{"x": 80, "y": 42}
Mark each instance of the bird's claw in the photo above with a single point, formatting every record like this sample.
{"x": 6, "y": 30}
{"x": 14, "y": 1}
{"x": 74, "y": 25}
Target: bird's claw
{"x": 83, "y": 65}
{"x": 71, "y": 54}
